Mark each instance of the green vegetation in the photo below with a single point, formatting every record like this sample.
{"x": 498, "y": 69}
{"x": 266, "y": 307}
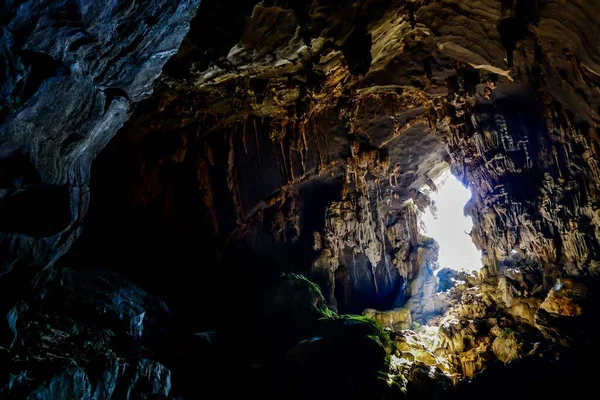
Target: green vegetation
{"x": 300, "y": 284}
{"x": 377, "y": 333}
{"x": 416, "y": 326}
{"x": 506, "y": 333}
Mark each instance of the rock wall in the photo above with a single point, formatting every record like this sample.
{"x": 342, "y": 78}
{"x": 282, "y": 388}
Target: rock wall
{"x": 71, "y": 73}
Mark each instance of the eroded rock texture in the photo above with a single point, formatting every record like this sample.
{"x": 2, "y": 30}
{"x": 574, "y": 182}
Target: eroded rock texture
{"x": 71, "y": 72}
{"x": 87, "y": 335}
{"x": 309, "y": 134}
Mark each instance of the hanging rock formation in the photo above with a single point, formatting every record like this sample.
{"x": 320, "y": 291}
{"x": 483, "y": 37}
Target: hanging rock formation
{"x": 310, "y": 142}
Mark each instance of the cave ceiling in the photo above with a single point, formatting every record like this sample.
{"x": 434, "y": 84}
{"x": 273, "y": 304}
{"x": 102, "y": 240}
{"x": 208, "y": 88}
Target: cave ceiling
{"x": 367, "y": 89}
{"x": 267, "y": 106}
{"x": 379, "y": 94}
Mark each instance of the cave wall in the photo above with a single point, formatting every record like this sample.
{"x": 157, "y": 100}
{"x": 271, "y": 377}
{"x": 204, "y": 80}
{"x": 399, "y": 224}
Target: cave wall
{"x": 358, "y": 105}
{"x": 72, "y": 72}
{"x": 71, "y": 75}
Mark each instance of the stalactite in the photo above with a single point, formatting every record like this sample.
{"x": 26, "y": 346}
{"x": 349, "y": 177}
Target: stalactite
{"x": 232, "y": 182}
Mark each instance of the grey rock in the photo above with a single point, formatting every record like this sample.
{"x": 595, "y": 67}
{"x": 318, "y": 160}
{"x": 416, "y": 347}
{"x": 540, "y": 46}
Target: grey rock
{"x": 89, "y": 335}
{"x": 71, "y": 72}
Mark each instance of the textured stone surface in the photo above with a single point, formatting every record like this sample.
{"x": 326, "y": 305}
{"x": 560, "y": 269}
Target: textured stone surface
{"x": 398, "y": 319}
{"x": 71, "y": 72}
{"x": 88, "y": 335}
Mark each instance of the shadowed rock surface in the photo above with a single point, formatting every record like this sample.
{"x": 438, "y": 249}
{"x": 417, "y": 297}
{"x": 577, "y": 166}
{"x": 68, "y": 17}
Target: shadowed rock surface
{"x": 71, "y": 72}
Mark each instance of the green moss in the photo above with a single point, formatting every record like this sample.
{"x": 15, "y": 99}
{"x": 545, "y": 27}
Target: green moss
{"x": 507, "y": 333}
{"x": 301, "y": 280}
{"x": 378, "y": 334}
{"x": 328, "y": 313}
{"x": 302, "y": 283}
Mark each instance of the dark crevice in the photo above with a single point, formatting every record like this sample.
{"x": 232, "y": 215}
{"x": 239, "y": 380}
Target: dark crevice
{"x": 357, "y": 50}
{"x": 36, "y": 211}
{"x": 112, "y": 94}
{"x": 41, "y": 67}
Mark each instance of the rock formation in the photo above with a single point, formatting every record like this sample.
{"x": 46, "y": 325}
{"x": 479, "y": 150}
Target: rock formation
{"x": 300, "y": 137}
{"x": 71, "y": 72}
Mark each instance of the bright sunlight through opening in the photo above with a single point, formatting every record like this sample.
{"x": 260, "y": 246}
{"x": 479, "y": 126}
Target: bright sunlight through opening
{"x": 448, "y": 225}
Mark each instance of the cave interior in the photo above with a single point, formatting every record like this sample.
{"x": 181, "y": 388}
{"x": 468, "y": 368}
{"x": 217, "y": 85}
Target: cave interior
{"x": 299, "y": 199}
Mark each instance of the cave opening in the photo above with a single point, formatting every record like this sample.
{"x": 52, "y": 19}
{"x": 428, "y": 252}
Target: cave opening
{"x": 445, "y": 221}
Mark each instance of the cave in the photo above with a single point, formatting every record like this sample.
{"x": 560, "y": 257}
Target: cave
{"x": 286, "y": 199}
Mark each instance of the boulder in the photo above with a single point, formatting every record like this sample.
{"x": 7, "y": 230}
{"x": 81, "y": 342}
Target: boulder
{"x": 561, "y": 317}
{"x": 347, "y": 360}
{"x": 396, "y": 319}
{"x": 507, "y": 346}
{"x": 87, "y": 337}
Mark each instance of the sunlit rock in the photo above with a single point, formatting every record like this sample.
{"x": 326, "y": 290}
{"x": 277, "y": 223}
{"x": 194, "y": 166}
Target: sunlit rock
{"x": 561, "y": 316}
{"x": 398, "y": 319}
{"x": 507, "y": 346}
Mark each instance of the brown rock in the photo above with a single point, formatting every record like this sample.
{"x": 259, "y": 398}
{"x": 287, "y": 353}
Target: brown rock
{"x": 564, "y": 298}
{"x": 397, "y": 319}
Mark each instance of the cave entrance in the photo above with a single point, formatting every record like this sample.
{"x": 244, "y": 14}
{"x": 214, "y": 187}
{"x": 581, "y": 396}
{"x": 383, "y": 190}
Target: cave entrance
{"x": 446, "y": 222}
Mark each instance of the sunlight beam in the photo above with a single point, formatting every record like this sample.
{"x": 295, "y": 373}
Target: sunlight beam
{"x": 448, "y": 225}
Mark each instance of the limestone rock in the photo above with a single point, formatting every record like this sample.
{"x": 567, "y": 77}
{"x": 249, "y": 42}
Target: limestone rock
{"x": 561, "y": 317}
{"x": 397, "y": 319}
{"x": 507, "y": 346}
{"x": 427, "y": 382}
{"x": 105, "y": 299}
{"x": 565, "y": 297}
{"x": 83, "y": 341}
{"x": 412, "y": 347}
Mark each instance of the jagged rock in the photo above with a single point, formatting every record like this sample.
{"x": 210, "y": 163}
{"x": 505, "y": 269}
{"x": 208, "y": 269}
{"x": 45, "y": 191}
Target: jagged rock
{"x": 560, "y": 317}
{"x": 475, "y": 360}
{"x": 507, "y": 346}
{"x": 450, "y": 279}
{"x": 413, "y": 347}
{"x": 466, "y": 343}
{"x": 82, "y": 339}
{"x": 565, "y": 297}
{"x": 144, "y": 380}
{"x": 71, "y": 72}
{"x": 426, "y": 382}
{"x": 398, "y": 319}
{"x": 104, "y": 299}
